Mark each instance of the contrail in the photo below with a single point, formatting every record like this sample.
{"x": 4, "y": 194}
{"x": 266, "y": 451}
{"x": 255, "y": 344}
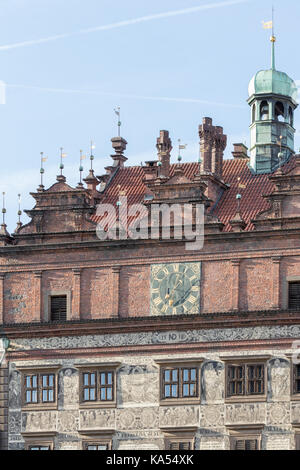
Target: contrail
{"x": 128, "y": 96}
{"x": 120, "y": 24}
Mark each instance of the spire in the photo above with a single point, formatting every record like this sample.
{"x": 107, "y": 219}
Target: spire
{"x": 61, "y": 177}
{"x": 273, "y": 40}
{"x": 82, "y": 157}
{"x": 19, "y": 224}
{"x": 3, "y": 230}
{"x": 42, "y": 171}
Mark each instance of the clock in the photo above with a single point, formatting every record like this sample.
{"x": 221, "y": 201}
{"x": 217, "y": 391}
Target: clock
{"x": 175, "y": 288}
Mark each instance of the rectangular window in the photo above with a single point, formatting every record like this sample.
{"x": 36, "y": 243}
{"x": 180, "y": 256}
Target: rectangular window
{"x": 180, "y": 445}
{"x": 101, "y": 446}
{"x": 39, "y": 447}
{"x": 294, "y": 295}
{"x": 39, "y": 388}
{"x": 296, "y": 379}
{"x": 58, "y": 308}
{"x": 98, "y": 386}
{"x": 245, "y": 444}
{"x": 179, "y": 382}
{"x": 245, "y": 379}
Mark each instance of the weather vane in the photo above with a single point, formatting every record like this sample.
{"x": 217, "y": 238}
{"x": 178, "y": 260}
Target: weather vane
{"x": 180, "y": 147}
{"x": 42, "y": 170}
{"x": 19, "y": 211}
{"x": 3, "y": 209}
{"x": 62, "y": 155}
{"x": 82, "y": 157}
{"x": 270, "y": 25}
{"x": 93, "y": 146}
{"x": 118, "y": 113}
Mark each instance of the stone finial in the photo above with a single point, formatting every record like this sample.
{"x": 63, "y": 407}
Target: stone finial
{"x": 119, "y": 145}
{"x": 164, "y": 148}
{"x": 91, "y": 181}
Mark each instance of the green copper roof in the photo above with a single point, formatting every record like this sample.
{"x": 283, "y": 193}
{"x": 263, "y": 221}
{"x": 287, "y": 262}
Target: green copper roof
{"x": 272, "y": 81}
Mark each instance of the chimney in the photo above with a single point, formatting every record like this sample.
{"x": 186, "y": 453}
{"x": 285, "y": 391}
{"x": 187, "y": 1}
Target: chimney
{"x": 212, "y": 145}
{"x": 150, "y": 169}
{"x": 240, "y": 151}
{"x": 206, "y": 134}
{"x": 219, "y": 145}
{"x": 164, "y": 147}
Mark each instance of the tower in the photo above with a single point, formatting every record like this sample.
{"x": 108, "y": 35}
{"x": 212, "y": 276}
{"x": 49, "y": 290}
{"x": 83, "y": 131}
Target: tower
{"x": 272, "y": 98}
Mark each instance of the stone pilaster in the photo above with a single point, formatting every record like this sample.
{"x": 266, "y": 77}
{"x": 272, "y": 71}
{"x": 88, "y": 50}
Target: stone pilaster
{"x": 235, "y": 289}
{"x": 2, "y": 276}
{"x": 76, "y": 294}
{"x": 115, "y": 290}
{"x": 3, "y": 408}
{"x": 37, "y": 276}
{"x": 276, "y": 281}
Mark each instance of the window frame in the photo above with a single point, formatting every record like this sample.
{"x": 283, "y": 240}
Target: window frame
{"x": 94, "y": 437}
{"x": 39, "y": 371}
{"x": 36, "y": 439}
{"x": 246, "y": 362}
{"x": 180, "y": 364}
{"x": 98, "y": 369}
{"x": 186, "y": 435}
{"x": 245, "y": 433}
{"x": 47, "y": 304}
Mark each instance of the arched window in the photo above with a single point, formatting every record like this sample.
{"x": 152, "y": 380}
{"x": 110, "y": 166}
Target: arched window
{"x": 264, "y": 111}
{"x": 291, "y": 117}
{"x": 279, "y": 111}
{"x": 254, "y": 113}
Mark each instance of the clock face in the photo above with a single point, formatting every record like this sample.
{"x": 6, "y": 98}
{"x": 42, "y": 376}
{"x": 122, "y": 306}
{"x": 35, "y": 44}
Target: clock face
{"x": 175, "y": 288}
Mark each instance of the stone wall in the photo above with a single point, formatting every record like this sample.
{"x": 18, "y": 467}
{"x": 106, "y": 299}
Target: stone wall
{"x": 138, "y": 419}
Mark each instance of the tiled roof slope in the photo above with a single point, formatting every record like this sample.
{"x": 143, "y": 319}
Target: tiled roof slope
{"x": 129, "y": 181}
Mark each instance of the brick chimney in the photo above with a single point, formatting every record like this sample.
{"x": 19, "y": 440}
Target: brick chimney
{"x": 240, "y": 151}
{"x": 119, "y": 145}
{"x": 212, "y": 145}
{"x": 164, "y": 147}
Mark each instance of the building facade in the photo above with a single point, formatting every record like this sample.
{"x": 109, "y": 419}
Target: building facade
{"x": 140, "y": 343}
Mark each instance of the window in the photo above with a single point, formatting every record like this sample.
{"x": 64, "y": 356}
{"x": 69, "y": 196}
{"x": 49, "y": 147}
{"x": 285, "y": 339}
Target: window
{"x": 296, "y": 379}
{"x": 245, "y": 438}
{"x": 279, "y": 111}
{"x": 98, "y": 385}
{"x": 35, "y": 447}
{"x": 179, "y": 382}
{"x": 39, "y": 388}
{"x": 180, "y": 439}
{"x": 264, "y": 111}
{"x": 58, "y": 307}
{"x": 253, "y": 113}
{"x": 180, "y": 445}
{"x": 294, "y": 295}
{"x": 96, "y": 446}
{"x": 39, "y": 441}
{"x": 244, "y": 444}
{"x": 291, "y": 117}
{"x": 245, "y": 379}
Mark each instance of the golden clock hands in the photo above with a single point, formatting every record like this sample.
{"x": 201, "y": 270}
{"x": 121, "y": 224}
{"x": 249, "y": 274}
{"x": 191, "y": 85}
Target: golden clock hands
{"x": 171, "y": 301}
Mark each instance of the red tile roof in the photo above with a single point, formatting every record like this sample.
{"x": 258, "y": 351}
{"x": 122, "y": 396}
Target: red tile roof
{"x": 129, "y": 181}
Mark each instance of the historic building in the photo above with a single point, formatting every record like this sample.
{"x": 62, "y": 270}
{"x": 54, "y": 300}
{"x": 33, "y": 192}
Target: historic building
{"x": 141, "y": 343}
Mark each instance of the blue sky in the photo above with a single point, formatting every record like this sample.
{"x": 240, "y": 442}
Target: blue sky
{"x": 62, "y": 92}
